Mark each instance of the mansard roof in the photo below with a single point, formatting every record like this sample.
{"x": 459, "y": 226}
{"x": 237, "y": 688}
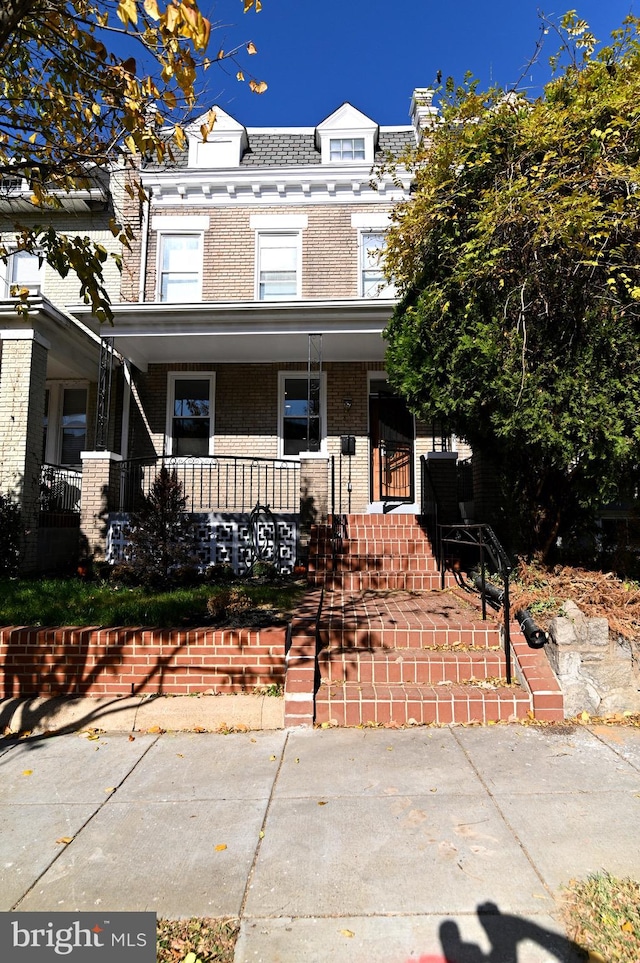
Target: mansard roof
{"x": 279, "y": 148}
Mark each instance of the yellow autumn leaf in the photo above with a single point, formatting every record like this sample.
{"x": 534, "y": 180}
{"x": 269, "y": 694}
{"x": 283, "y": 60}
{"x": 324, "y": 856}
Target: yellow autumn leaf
{"x": 348, "y": 933}
{"x": 151, "y": 7}
{"x": 127, "y": 12}
{"x": 257, "y": 86}
{"x": 251, "y": 48}
{"x": 627, "y": 927}
{"x": 27, "y": 772}
{"x": 63, "y": 840}
{"x": 239, "y": 75}
{"x": 110, "y": 789}
{"x": 585, "y": 716}
{"x": 220, "y": 847}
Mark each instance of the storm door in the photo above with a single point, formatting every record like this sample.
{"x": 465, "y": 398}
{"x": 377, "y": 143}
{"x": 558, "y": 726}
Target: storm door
{"x": 391, "y": 434}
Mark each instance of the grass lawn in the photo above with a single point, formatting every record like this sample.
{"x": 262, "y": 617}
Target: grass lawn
{"x": 196, "y": 940}
{"x": 54, "y": 602}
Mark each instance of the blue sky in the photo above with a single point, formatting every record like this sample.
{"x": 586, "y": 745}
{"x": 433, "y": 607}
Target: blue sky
{"x": 315, "y": 54}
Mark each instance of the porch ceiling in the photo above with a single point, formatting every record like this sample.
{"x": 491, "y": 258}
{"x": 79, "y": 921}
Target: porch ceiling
{"x": 73, "y": 351}
{"x": 247, "y": 332}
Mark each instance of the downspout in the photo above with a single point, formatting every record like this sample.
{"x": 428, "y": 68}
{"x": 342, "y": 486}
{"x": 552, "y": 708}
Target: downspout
{"x": 144, "y": 245}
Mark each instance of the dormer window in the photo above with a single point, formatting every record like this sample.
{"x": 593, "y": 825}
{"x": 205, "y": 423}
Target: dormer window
{"x": 347, "y": 136}
{"x": 225, "y": 143}
{"x": 346, "y": 148}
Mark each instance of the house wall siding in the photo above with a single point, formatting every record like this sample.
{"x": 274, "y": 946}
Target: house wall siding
{"x": 246, "y": 417}
{"x": 330, "y": 257}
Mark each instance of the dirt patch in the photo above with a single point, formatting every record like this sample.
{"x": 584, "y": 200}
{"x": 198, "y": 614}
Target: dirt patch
{"x": 597, "y": 594}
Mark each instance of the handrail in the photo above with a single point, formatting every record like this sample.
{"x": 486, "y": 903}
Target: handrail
{"x": 483, "y": 538}
{"x": 478, "y": 536}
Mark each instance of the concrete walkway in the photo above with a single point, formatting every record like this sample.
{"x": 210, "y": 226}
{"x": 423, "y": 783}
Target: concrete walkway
{"x": 330, "y": 845}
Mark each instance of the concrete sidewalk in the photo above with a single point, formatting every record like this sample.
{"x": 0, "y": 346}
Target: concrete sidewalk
{"x": 329, "y": 845}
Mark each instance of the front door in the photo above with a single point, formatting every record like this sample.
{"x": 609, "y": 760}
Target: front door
{"x": 391, "y": 433}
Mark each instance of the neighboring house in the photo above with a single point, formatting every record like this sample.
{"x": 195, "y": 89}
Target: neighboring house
{"x": 246, "y": 351}
{"x": 49, "y": 365}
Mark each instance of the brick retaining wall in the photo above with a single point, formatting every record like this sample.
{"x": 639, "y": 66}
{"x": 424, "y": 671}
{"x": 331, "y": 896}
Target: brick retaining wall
{"x": 127, "y": 661}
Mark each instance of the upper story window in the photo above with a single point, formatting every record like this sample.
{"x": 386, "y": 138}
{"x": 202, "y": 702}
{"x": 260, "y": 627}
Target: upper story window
{"x": 373, "y": 283}
{"x": 179, "y": 268}
{"x": 346, "y": 148}
{"x": 190, "y": 414}
{"x": 24, "y": 270}
{"x": 278, "y": 266}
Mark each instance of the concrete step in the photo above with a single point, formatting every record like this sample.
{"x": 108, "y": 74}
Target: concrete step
{"x": 360, "y": 704}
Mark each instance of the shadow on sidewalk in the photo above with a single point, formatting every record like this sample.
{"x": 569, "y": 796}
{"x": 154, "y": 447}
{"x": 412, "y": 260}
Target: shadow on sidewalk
{"x": 505, "y": 933}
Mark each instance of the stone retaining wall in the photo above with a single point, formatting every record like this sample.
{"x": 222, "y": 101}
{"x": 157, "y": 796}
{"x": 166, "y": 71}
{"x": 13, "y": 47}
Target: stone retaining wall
{"x": 128, "y": 661}
{"x": 597, "y": 670}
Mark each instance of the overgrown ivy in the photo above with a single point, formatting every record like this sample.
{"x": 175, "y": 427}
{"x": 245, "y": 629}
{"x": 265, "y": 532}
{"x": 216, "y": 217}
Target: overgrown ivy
{"x": 518, "y": 260}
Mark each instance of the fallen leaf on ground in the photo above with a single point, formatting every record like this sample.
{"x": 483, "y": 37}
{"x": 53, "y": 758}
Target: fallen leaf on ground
{"x": 220, "y": 847}
{"x": 64, "y": 840}
{"x": 27, "y": 772}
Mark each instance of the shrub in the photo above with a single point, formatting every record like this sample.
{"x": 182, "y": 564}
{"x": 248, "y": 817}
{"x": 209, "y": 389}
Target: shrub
{"x": 10, "y": 532}
{"x": 161, "y": 543}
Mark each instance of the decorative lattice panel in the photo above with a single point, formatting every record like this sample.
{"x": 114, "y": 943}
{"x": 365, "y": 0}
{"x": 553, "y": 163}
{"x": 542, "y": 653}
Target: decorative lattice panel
{"x": 238, "y": 540}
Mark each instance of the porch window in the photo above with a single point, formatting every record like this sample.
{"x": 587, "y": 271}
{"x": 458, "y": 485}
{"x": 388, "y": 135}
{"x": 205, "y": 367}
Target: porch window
{"x": 190, "y": 421}
{"x": 180, "y": 268}
{"x": 73, "y": 431}
{"x": 278, "y": 266}
{"x": 373, "y": 282}
{"x": 301, "y": 413}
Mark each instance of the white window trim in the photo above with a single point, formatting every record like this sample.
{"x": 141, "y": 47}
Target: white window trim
{"x": 5, "y": 273}
{"x": 326, "y": 136}
{"x": 56, "y": 389}
{"x": 172, "y": 377}
{"x": 322, "y": 453}
{"x": 185, "y": 231}
{"x": 389, "y": 287}
{"x": 291, "y": 232}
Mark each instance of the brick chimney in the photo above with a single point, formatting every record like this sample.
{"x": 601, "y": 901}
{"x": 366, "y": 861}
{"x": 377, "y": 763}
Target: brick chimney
{"x": 423, "y": 113}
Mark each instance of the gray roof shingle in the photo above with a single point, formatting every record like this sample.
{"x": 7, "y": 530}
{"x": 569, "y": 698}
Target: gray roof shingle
{"x": 282, "y": 149}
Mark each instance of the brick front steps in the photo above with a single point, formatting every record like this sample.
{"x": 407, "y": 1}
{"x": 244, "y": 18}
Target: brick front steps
{"x": 128, "y": 661}
{"x": 390, "y": 647}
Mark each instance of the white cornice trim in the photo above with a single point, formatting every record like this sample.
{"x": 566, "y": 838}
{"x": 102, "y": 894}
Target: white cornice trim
{"x": 320, "y": 184}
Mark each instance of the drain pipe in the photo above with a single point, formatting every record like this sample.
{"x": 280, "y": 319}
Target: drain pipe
{"x": 535, "y": 636}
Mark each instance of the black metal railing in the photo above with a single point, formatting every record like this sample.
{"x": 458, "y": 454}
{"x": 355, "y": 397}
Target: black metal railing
{"x": 463, "y": 547}
{"x": 216, "y": 483}
{"x": 60, "y": 488}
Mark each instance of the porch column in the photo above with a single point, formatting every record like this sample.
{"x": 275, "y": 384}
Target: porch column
{"x": 100, "y": 495}
{"x": 314, "y": 491}
{"x": 23, "y": 370}
{"x": 442, "y": 469}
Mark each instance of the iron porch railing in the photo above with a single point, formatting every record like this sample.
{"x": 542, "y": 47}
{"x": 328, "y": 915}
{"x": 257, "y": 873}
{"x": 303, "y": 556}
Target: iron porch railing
{"x": 216, "y": 483}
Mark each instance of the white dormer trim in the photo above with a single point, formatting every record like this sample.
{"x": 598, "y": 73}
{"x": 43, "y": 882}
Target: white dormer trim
{"x": 343, "y": 124}
{"x": 226, "y": 141}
